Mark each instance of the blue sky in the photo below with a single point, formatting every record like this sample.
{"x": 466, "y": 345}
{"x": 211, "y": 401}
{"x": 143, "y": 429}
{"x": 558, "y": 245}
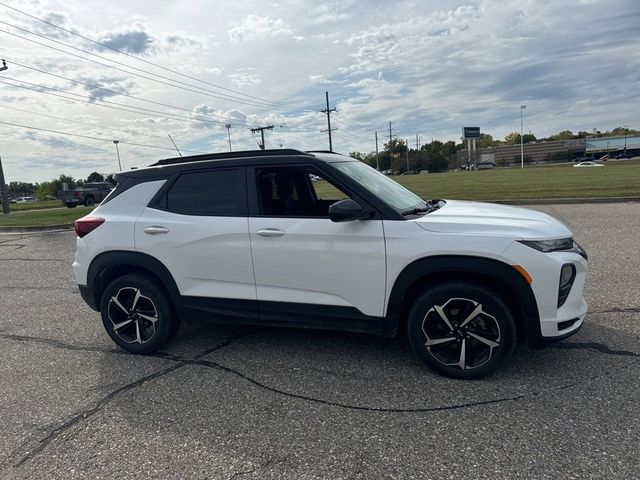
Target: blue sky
{"x": 429, "y": 67}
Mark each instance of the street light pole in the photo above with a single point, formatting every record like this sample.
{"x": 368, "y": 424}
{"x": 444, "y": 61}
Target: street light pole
{"x": 228, "y": 125}
{"x": 522, "y": 107}
{"x": 116, "y": 142}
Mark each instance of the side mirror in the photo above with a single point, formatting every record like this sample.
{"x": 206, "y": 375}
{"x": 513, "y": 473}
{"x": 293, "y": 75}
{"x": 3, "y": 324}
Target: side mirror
{"x": 346, "y": 211}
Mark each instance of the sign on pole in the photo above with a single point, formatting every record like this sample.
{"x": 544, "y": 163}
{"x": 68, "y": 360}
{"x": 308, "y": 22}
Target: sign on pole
{"x": 470, "y": 132}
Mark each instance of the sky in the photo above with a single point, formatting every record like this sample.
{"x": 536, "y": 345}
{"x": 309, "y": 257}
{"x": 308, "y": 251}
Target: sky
{"x": 190, "y": 68}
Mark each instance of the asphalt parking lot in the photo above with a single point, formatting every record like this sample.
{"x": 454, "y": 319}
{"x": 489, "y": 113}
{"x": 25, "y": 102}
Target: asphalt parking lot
{"x": 224, "y": 402}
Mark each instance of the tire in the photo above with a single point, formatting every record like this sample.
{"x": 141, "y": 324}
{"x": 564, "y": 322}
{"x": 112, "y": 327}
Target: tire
{"x": 89, "y": 202}
{"x": 459, "y": 316}
{"x": 130, "y": 323}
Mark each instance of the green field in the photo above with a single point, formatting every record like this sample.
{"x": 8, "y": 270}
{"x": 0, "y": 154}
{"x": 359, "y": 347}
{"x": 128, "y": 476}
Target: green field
{"x": 615, "y": 179}
{"x": 43, "y": 217}
{"x": 17, "y": 207}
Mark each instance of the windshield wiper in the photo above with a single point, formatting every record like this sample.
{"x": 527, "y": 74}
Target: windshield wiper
{"x": 430, "y": 206}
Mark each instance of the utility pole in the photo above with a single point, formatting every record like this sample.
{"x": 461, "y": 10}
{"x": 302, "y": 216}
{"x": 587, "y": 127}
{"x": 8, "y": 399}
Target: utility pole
{"x": 377, "y": 155}
{"x": 3, "y": 193}
{"x": 116, "y": 142}
{"x": 3, "y": 185}
{"x": 390, "y": 135}
{"x": 261, "y": 130}
{"x": 407, "y": 156}
{"x": 328, "y": 112}
{"x": 228, "y": 125}
{"x": 522, "y": 107}
{"x": 418, "y": 152}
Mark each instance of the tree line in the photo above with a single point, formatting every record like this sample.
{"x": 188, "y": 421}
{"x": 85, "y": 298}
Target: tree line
{"x": 438, "y": 156}
{"x": 51, "y": 188}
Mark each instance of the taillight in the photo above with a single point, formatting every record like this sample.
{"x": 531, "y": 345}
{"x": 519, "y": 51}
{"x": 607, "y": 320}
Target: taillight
{"x": 88, "y": 224}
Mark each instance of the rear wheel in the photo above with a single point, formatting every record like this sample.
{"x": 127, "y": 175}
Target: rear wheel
{"x": 461, "y": 330}
{"x": 88, "y": 202}
{"x": 137, "y": 313}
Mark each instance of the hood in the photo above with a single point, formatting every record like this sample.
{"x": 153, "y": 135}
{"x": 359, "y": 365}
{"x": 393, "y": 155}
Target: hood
{"x": 491, "y": 219}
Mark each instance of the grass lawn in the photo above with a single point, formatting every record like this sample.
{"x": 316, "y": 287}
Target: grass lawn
{"x": 43, "y": 217}
{"x": 615, "y": 179}
{"x": 17, "y": 207}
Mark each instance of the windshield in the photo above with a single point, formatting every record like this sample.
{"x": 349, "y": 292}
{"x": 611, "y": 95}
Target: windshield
{"x": 390, "y": 191}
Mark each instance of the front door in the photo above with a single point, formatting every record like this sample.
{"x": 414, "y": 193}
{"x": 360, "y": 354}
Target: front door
{"x": 308, "y": 266}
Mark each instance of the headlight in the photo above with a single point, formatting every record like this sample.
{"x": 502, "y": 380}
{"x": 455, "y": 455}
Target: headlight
{"x": 564, "y": 244}
{"x": 549, "y": 245}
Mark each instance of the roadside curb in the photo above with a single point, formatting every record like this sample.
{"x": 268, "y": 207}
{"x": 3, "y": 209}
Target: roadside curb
{"x": 37, "y": 228}
{"x": 563, "y": 201}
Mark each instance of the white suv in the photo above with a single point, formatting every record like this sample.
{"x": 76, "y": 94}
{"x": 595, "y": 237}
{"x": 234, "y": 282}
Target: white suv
{"x": 320, "y": 240}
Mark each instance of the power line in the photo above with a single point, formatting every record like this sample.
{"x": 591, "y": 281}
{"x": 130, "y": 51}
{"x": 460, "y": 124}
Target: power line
{"x": 87, "y": 100}
{"x": 153, "y": 79}
{"x": 135, "y": 57}
{"x": 40, "y": 114}
{"x": 89, "y": 137}
{"x": 131, "y": 109}
{"x": 96, "y": 87}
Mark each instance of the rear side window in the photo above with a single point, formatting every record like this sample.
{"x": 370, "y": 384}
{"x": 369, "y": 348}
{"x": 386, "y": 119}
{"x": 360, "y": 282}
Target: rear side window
{"x": 213, "y": 192}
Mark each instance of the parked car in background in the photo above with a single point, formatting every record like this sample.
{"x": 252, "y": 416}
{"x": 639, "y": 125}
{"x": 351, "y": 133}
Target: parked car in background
{"x": 588, "y": 164}
{"x": 88, "y": 195}
{"x": 25, "y": 199}
{"x": 486, "y": 165}
{"x": 624, "y": 155}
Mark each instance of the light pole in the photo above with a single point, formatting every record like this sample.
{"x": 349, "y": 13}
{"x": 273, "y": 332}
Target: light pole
{"x": 116, "y": 142}
{"x": 228, "y": 125}
{"x": 626, "y": 130}
{"x": 522, "y": 107}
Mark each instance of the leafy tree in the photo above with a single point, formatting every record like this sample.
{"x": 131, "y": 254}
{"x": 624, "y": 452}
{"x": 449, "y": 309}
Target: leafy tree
{"x": 95, "y": 177}
{"x": 18, "y": 189}
{"x": 563, "y": 135}
{"x": 486, "y": 141}
{"x": 109, "y": 178}
{"x": 513, "y": 138}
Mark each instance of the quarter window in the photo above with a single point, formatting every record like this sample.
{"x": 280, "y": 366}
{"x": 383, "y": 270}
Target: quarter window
{"x": 210, "y": 193}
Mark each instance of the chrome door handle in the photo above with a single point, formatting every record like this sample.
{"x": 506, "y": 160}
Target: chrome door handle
{"x": 270, "y": 232}
{"x": 155, "y": 230}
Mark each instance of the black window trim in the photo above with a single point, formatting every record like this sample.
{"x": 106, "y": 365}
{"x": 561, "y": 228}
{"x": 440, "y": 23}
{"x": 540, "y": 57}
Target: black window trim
{"x": 159, "y": 200}
{"x": 253, "y": 195}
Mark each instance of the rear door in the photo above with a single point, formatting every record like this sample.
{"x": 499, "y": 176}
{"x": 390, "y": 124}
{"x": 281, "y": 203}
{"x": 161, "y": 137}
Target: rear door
{"x": 197, "y": 227}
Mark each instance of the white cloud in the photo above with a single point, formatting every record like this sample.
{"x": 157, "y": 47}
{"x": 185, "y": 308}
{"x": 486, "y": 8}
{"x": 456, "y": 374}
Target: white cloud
{"x": 254, "y": 27}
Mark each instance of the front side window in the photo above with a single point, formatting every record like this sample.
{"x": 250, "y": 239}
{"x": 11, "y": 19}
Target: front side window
{"x": 210, "y": 193}
{"x": 295, "y": 192}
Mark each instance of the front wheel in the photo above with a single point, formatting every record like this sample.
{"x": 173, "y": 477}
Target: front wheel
{"x": 461, "y": 330}
{"x": 137, "y": 313}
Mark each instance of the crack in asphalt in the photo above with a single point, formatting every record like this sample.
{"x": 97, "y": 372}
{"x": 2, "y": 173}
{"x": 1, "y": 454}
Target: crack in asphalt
{"x": 598, "y": 347}
{"x": 271, "y": 461}
{"x": 104, "y": 401}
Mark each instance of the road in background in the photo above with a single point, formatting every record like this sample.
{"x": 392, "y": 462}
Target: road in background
{"x": 243, "y": 402}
